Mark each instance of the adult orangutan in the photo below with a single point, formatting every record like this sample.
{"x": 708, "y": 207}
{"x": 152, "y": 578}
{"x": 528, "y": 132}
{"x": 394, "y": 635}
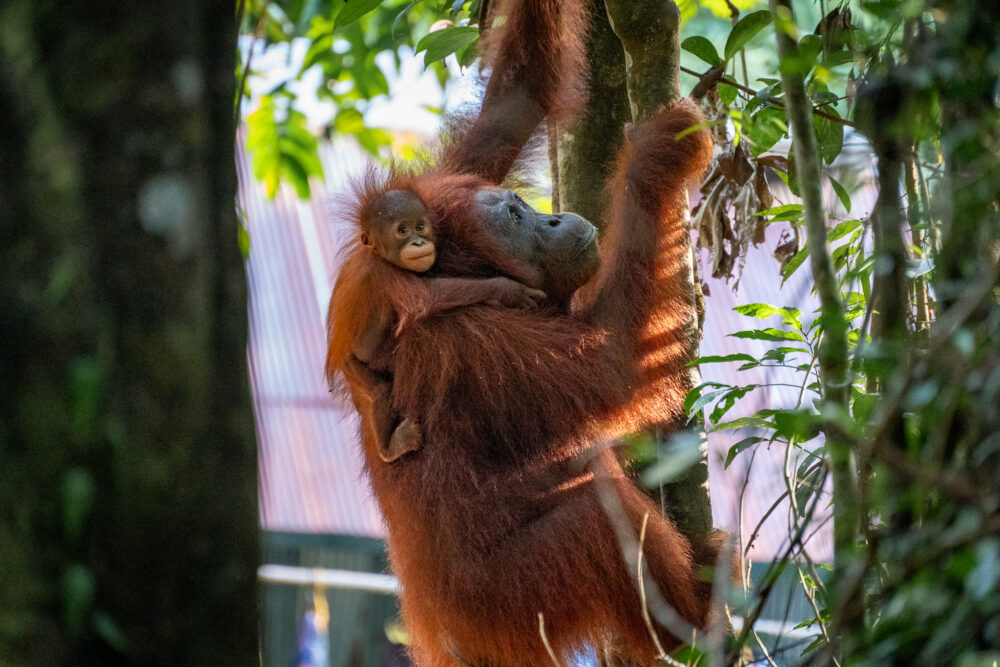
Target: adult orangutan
{"x": 499, "y": 516}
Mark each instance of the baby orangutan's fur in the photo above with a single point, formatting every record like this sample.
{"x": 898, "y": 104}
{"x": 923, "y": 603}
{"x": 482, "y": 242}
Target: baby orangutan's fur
{"x": 500, "y": 516}
{"x": 397, "y": 230}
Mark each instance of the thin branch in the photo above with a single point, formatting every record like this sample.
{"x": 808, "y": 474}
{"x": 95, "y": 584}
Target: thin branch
{"x": 642, "y": 589}
{"x": 832, "y": 353}
{"x": 710, "y": 75}
{"x": 771, "y": 579}
{"x": 545, "y": 640}
{"x": 717, "y": 612}
{"x": 811, "y": 597}
{"x": 246, "y": 68}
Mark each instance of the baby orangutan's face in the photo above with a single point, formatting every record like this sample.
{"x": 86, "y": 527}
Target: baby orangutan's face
{"x": 403, "y": 234}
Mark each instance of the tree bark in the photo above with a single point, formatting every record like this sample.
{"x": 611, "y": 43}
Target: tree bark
{"x": 588, "y": 148}
{"x": 650, "y": 34}
{"x": 127, "y": 438}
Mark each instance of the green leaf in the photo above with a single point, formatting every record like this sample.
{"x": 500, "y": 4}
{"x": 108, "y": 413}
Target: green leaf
{"x": 803, "y": 425}
{"x": 743, "y": 422}
{"x": 830, "y": 134}
{"x": 745, "y": 30}
{"x": 887, "y": 10}
{"x": 790, "y": 316}
{"x": 716, "y": 359}
{"x": 740, "y": 446}
{"x": 443, "y": 43}
{"x": 704, "y": 400}
{"x": 810, "y": 46}
{"x": 728, "y": 401}
{"x": 770, "y": 334}
{"x": 352, "y": 10}
{"x": 727, "y": 93}
{"x": 78, "y": 493}
{"x": 695, "y": 393}
{"x": 767, "y": 128}
{"x": 106, "y": 628}
{"x": 842, "y": 229}
{"x": 318, "y": 50}
{"x": 784, "y": 209}
{"x": 794, "y": 263}
{"x": 702, "y": 48}
{"x": 293, "y": 172}
{"x": 467, "y": 54}
{"x": 842, "y": 194}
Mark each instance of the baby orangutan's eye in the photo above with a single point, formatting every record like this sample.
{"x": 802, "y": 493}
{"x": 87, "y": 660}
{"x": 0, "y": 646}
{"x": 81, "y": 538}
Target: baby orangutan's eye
{"x": 402, "y": 231}
{"x": 420, "y": 227}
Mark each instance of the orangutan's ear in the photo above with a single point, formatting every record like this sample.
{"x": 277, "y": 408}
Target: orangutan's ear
{"x": 366, "y": 239}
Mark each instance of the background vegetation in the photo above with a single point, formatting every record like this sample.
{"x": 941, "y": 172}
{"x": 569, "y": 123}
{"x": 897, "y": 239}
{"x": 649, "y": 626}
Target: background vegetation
{"x": 128, "y": 521}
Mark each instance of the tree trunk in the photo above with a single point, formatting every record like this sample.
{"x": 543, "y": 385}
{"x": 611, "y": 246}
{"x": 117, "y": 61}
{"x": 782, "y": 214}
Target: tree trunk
{"x": 650, "y": 34}
{"x": 129, "y": 465}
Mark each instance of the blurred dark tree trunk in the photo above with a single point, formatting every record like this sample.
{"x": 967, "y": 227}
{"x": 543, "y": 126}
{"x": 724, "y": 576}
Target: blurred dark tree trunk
{"x": 128, "y": 508}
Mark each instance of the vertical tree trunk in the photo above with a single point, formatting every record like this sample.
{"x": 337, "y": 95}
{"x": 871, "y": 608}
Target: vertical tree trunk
{"x": 587, "y": 150}
{"x": 833, "y": 350}
{"x": 650, "y": 34}
{"x": 127, "y": 439}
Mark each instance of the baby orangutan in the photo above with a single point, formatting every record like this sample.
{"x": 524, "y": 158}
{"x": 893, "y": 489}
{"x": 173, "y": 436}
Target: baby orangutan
{"x": 396, "y": 226}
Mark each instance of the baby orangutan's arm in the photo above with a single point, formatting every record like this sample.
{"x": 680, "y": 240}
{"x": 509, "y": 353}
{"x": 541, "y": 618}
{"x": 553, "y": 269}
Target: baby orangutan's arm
{"x": 447, "y": 293}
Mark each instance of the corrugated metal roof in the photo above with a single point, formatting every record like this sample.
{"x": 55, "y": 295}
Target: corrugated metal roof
{"x": 311, "y": 476}
{"x": 761, "y": 283}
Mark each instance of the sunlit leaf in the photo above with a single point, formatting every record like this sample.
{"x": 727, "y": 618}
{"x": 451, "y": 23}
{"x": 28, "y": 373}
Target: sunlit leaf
{"x": 771, "y": 334}
{"x": 702, "y": 48}
{"x": 784, "y": 209}
{"x": 745, "y": 30}
{"x": 442, "y": 43}
{"x": 722, "y": 9}
{"x": 352, "y": 10}
{"x": 790, "y": 316}
{"x": 842, "y": 229}
{"x": 718, "y": 359}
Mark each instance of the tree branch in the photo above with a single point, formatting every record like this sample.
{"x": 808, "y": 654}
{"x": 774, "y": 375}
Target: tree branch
{"x": 710, "y": 78}
{"x": 650, "y": 33}
{"x": 832, "y": 353}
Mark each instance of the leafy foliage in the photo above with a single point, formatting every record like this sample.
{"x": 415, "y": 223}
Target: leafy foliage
{"x": 916, "y": 426}
{"x": 349, "y": 44}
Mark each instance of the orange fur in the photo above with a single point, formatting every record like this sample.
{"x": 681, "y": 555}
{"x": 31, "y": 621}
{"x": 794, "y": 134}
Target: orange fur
{"x": 538, "y": 65}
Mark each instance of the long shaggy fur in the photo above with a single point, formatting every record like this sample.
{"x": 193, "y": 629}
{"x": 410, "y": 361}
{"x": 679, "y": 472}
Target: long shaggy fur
{"x": 537, "y": 58}
{"x": 499, "y": 517}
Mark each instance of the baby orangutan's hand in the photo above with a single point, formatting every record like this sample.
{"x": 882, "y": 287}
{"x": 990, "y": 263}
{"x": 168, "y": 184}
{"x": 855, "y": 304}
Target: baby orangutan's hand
{"x": 513, "y": 294}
